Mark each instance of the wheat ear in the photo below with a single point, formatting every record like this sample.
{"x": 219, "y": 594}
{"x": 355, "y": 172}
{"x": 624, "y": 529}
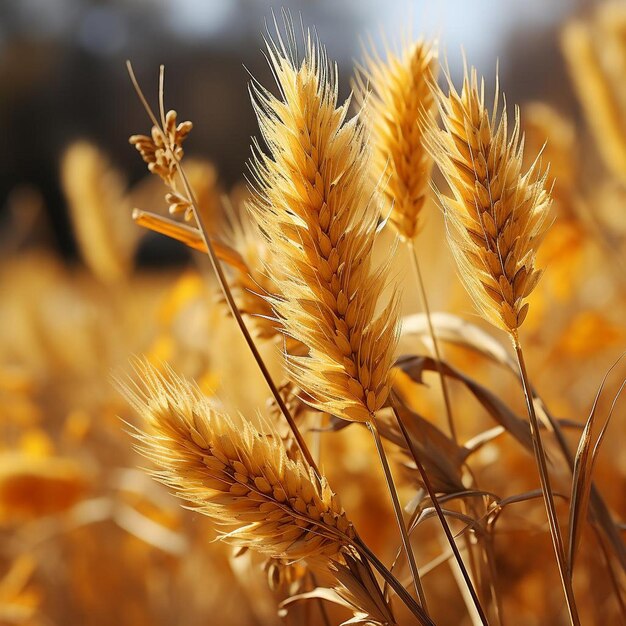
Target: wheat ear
{"x": 398, "y": 98}
{"x": 399, "y": 103}
{"x": 237, "y": 476}
{"x": 242, "y": 479}
{"x": 97, "y": 203}
{"x": 496, "y": 218}
{"x": 314, "y": 204}
{"x": 497, "y": 214}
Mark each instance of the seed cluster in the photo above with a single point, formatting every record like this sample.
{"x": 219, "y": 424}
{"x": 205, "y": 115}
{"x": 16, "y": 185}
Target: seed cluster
{"x": 314, "y": 205}
{"x": 162, "y": 151}
{"x": 399, "y": 103}
{"x": 497, "y": 214}
{"x": 238, "y": 477}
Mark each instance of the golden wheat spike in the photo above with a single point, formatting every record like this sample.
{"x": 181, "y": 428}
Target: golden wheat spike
{"x": 593, "y": 51}
{"x": 314, "y": 204}
{"x": 399, "y": 102}
{"x": 497, "y": 214}
{"x": 99, "y": 211}
{"x": 235, "y": 475}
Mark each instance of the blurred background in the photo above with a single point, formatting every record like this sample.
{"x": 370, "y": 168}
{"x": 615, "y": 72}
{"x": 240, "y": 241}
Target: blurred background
{"x": 86, "y": 537}
{"x": 63, "y": 75}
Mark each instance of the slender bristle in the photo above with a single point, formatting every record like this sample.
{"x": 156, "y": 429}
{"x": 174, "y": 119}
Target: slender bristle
{"x": 235, "y": 475}
{"x": 314, "y": 204}
{"x": 398, "y": 100}
{"x": 497, "y": 214}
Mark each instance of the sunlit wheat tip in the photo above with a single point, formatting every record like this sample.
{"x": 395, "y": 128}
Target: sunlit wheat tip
{"x": 497, "y": 214}
{"x": 314, "y": 204}
{"x": 398, "y": 100}
{"x": 241, "y": 479}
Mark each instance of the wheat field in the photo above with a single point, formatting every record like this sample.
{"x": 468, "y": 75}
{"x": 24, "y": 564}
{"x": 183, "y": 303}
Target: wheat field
{"x": 386, "y": 388}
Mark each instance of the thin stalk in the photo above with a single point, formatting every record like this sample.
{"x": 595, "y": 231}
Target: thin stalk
{"x": 598, "y": 506}
{"x": 221, "y": 277}
{"x": 493, "y": 579}
{"x": 394, "y": 583}
{"x": 398, "y": 512}
{"x": 612, "y": 576}
{"x": 476, "y": 572}
{"x": 433, "y": 338}
{"x": 442, "y": 520}
{"x": 320, "y": 603}
{"x": 546, "y": 488}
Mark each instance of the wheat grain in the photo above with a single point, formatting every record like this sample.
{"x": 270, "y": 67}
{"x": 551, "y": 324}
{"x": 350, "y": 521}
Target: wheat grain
{"x": 314, "y": 204}
{"x": 497, "y": 214}
{"x": 399, "y": 102}
{"x": 238, "y": 477}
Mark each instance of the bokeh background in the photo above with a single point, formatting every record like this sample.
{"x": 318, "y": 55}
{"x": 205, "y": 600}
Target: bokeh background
{"x": 86, "y": 537}
{"x": 63, "y": 73}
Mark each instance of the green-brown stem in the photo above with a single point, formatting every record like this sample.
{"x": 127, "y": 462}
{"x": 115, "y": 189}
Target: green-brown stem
{"x": 398, "y": 513}
{"x": 442, "y": 520}
{"x": 548, "y": 498}
{"x": 433, "y": 338}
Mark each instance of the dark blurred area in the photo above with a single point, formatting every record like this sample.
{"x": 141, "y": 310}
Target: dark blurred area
{"x": 63, "y": 75}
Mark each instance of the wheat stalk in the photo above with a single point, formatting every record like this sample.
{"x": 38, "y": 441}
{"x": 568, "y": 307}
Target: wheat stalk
{"x": 497, "y": 214}
{"x": 399, "y": 103}
{"x": 238, "y": 477}
{"x": 314, "y": 205}
{"x": 386, "y": 320}
{"x": 398, "y": 98}
{"x": 496, "y": 218}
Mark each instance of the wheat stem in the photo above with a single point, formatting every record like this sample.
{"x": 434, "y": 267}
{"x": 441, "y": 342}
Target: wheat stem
{"x": 221, "y": 277}
{"x": 615, "y": 585}
{"x": 433, "y": 338}
{"x": 397, "y": 509}
{"x": 442, "y": 519}
{"x": 493, "y": 580}
{"x": 320, "y": 604}
{"x": 548, "y": 498}
{"x": 448, "y": 406}
{"x": 393, "y": 582}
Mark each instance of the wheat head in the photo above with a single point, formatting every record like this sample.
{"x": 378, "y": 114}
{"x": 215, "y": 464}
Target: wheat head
{"x": 241, "y": 479}
{"x": 399, "y": 102}
{"x": 594, "y": 52}
{"x": 497, "y": 214}
{"x": 314, "y": 204}
{"x": 99, "y": 210}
